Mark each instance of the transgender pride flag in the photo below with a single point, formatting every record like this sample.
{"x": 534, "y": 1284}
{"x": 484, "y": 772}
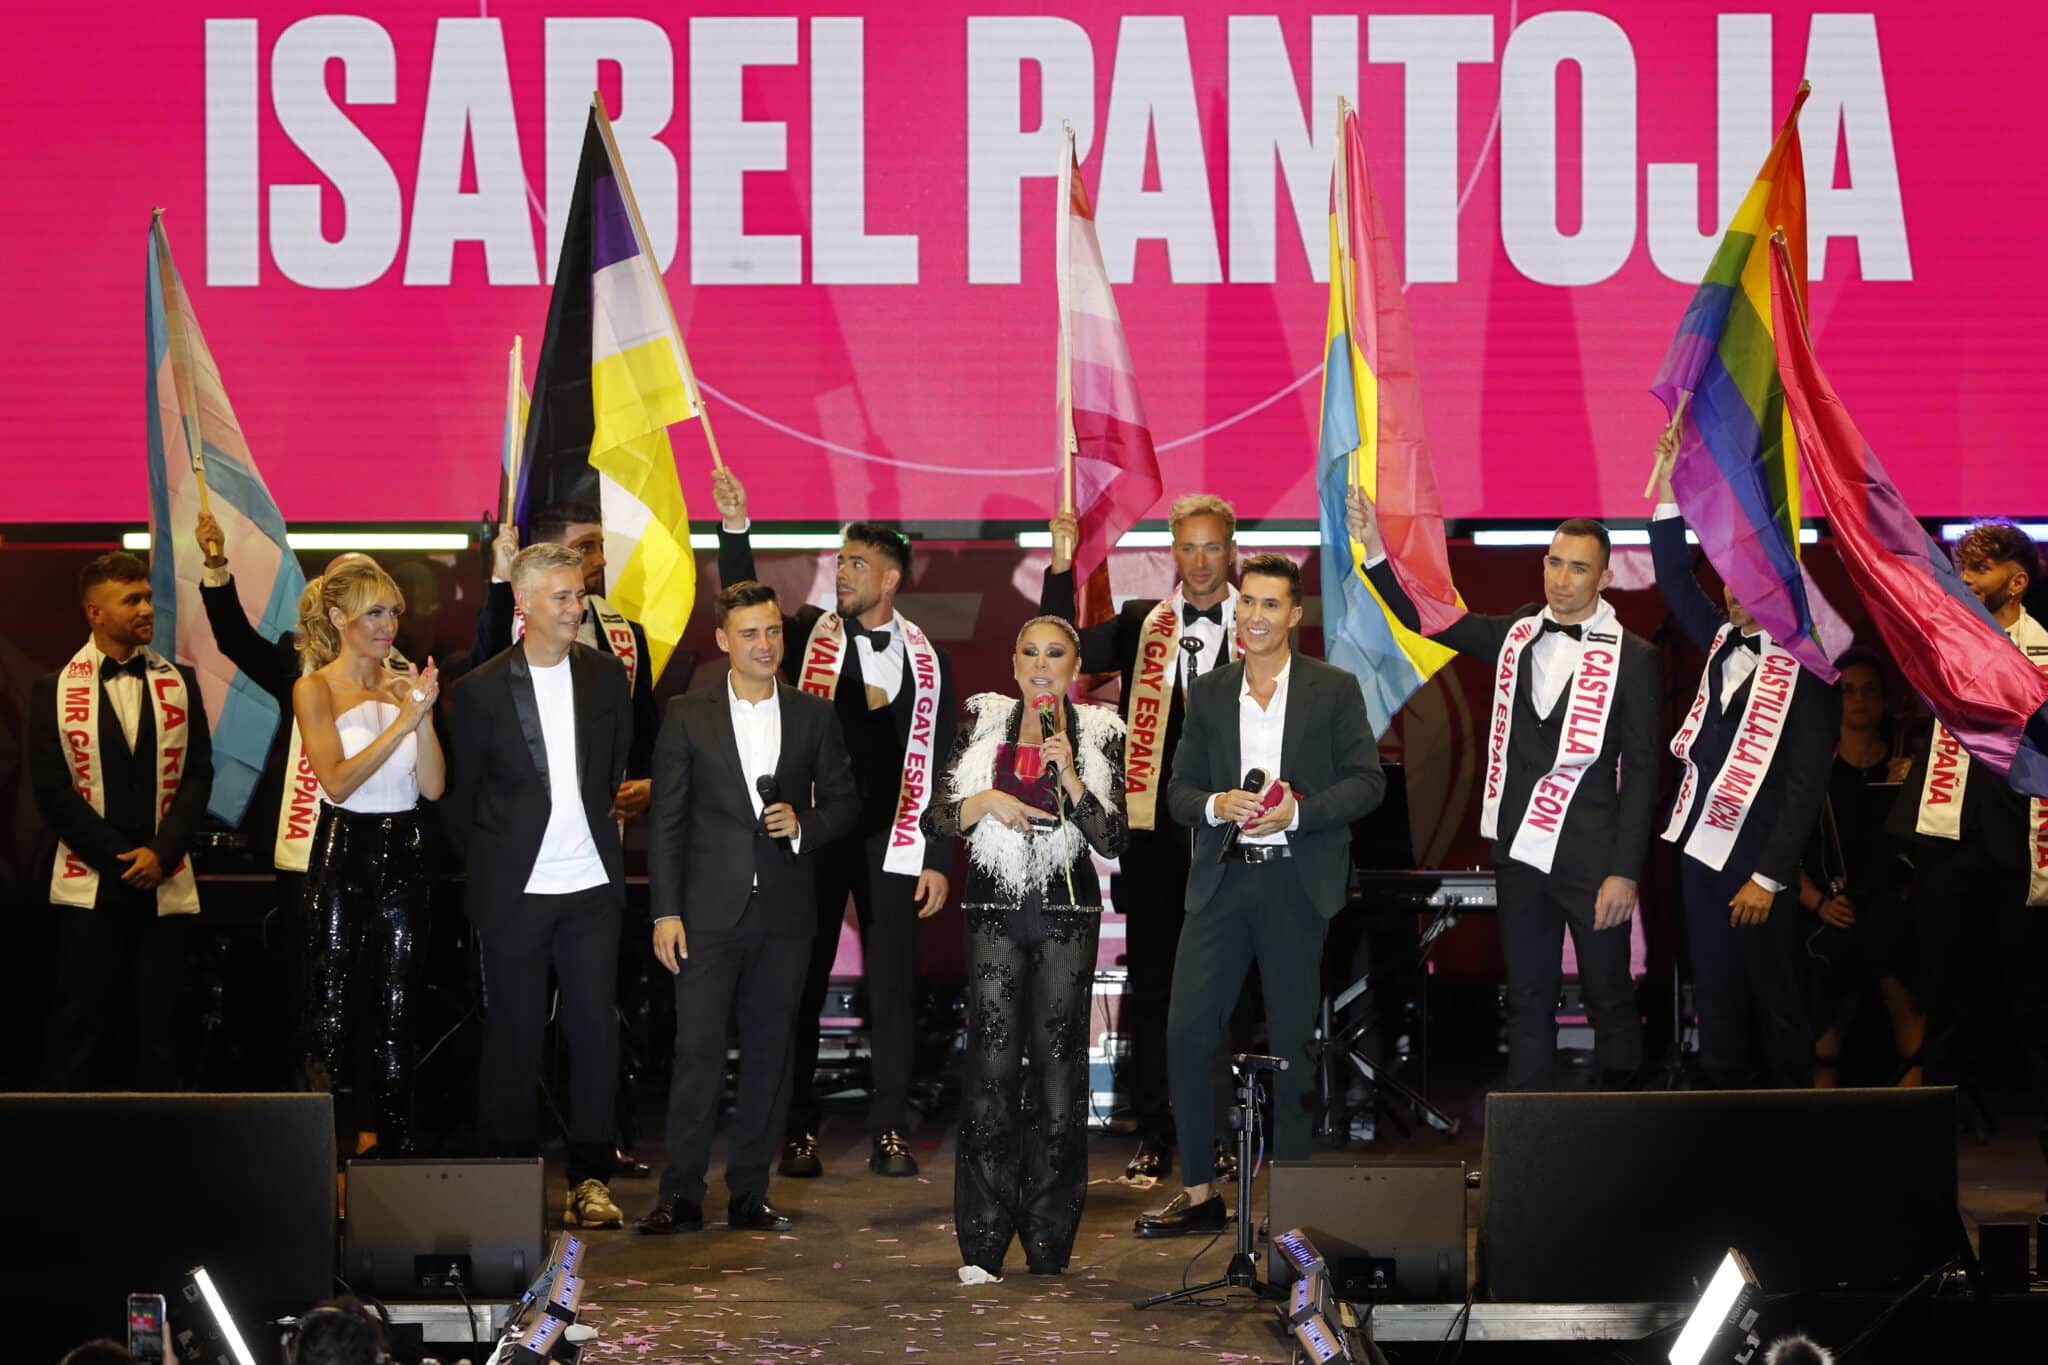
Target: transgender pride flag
{"x": 1116, "y": 472}
{"x": 199, "y": 461}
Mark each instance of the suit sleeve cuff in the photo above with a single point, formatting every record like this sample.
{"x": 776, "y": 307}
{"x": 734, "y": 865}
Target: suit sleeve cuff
{"x": 1766, "y": 883}
{"x": 1374, "y": 561}
{"x": 1209, "y": 809}
{"x": 1665, "y": 511}
{"x": 211, "y": 577}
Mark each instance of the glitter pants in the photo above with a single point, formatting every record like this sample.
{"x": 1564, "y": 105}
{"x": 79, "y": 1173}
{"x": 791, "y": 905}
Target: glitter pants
{"x": 1023, "y": 1165}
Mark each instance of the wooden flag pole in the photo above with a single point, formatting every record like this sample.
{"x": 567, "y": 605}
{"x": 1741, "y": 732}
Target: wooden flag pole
{"x": 1341, "y": 185}
{"x": 181, "y": 370}
{"x": 1068, "y": 444}
{"x": 675, "y": 333}
{"x": 518, "y": 447}
{"x": 1658, "y": 467}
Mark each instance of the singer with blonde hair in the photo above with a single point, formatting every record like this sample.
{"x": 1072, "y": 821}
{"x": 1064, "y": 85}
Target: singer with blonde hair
{"x": 369, "y": 735}
{"x": 1033, "y": 784}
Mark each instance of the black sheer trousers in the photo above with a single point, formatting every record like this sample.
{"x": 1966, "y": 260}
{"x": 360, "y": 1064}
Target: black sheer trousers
{"x": 1023, "y": 1164}
{"x": 366, "y": 891}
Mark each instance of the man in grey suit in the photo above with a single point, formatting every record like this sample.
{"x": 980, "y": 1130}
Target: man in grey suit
{"x": 751, "y": 779}
{"x": 1271, "y": 860}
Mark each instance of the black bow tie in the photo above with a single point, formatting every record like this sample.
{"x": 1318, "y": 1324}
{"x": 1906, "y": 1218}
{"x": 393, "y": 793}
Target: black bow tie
{"x": 1752, "y": 643}
{"x": 1190, "y": 613}
{"x": 878, "y": 640}
{"x": 110, "y": 668}
{"x": 1577, "y": 630}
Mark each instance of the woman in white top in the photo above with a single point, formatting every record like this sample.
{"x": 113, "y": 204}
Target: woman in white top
{"x": 368, "y": 731}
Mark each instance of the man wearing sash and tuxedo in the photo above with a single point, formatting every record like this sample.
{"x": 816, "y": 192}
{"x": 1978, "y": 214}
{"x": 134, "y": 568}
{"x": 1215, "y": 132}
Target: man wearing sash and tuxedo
{"x": 1756, "y": 747}
{"x": 1567, "y": 792}
{"x": 1159, "y": 647}
{"x": 121, "y": 768}
{"x": 892, "y": 689}
{"x": 1979, "y": 849}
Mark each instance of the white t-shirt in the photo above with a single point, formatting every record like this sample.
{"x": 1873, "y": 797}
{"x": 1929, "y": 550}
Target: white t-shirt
{"x": 568, "y": 858}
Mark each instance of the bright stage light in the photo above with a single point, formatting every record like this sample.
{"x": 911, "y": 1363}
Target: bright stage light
{"x": 1163, "y": 540}
{"x": 1956, "y": 530}
{"x": 1626, "y": 536}
{"x": 1725, "y": 1304}
{"x": 223, "y": 1323}
{"x": 366, "y": 541}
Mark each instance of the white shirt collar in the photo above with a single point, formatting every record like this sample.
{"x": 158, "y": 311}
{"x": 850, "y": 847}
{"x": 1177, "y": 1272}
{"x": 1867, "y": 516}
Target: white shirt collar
{"x": 738, "y": 702}
{"x": 1244, "y": 685}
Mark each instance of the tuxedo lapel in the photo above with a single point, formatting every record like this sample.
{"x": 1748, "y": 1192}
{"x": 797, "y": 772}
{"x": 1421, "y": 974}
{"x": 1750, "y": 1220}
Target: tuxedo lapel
{"x": 520, "y": 680}
{"x": 723, "y": 743}
{"x": 583, "y": 708}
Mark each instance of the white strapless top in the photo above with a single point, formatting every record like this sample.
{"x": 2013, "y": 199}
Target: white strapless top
{"x": 395, "y": 785}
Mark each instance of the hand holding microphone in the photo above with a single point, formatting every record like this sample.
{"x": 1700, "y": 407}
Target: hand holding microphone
{"x": 777, "y": 817}
{"x": 1236, "y": 807}
{"x": 1054, "y": 749}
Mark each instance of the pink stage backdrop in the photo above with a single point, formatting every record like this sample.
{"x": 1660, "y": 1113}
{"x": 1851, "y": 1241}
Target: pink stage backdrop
{"x": 855, "y": 211}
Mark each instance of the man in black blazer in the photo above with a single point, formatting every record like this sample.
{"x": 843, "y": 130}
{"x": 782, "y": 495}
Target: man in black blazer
{"x": 1569, "y": 789}
{"x": 1759, "y": 741}
{"x": 1271, "y": 860}
{"x": 892, "y": 690}
{"x": 118, "y": 957}
{"x": 539, "y": 741}
{"x": 1192, "y": 632}
{"x": 750, "y": 780}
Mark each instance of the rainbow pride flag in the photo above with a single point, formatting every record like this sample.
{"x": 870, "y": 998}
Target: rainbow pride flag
{"x": 1737, "y": 473}
{"x": 1372, "y": 414}
{"x": 192, "y": 434}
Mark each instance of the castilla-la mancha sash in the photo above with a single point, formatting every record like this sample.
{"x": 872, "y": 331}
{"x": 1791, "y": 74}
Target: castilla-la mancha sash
{"x": 1733, "y": 790}
{"x": 298, "y": 813}
{"x": 73, "y": 881}
{"x": 825, "y": 663}
{"x": 1948, "y": 769}
{"x": 1588, "y": 705}
{"x": 1145, "y": 710}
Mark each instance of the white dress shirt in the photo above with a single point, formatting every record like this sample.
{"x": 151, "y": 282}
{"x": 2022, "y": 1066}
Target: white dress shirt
{"x": 1552, "y": 662}
{"x": 1260, "y": 730}
{"x": 881, "y": 669}
{"x": 757, "y": 729}
{"x": 123, "y": 692}
{"x": 568, "y": 859}
{"x": 1209, "y": 633}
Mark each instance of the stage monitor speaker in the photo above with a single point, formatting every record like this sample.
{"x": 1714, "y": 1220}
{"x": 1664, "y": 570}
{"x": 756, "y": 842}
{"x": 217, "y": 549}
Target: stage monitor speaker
{"x": 123, "y": 1193}
{"x": 424, "y": 1229}
{"x": 1624, "y": 1197}
{"x": 1392, "y": 1232}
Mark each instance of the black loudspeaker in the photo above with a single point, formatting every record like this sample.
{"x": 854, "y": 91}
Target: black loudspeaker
{"x": 1636, "y": 1197}
{"x": 2002, "y": 1256}
{"x": 127, "y": 1192}
{"x": 1389, "y": 1232}
{"x": 442, "y": 1229}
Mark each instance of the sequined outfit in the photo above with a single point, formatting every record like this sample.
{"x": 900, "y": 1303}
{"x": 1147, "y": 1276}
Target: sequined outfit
{"x": 1022, "y": 1169}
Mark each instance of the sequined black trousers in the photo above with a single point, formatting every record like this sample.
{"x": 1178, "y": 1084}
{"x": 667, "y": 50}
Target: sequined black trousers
{"x": 366, "y": 894}
{"x": 1023, "y": 1163}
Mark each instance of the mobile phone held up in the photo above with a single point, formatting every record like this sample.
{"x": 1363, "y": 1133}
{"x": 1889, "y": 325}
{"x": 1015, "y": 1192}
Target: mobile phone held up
{"x": 146, "y": 1328}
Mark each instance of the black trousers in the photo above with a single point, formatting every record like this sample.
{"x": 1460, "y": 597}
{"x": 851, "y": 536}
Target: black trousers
{"x": 750, "y": 974}
{"x": 1744, "y": 975}
{"x": 119, "y": 965}
{"x": 1151, "y": 892}
{"x": 365, "y": 908}
{"x": 1260, "y": 912}
{"x": 578, "y": 936}
{"x": 1023, "y": 1166}
{"x": 1534, "y": 913}
{"x": 886, "y": 904}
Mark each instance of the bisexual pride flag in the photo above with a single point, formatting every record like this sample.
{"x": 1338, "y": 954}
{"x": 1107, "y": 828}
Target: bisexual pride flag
{"x": 198, "y": 461}
{"x": 1737, "y": 473}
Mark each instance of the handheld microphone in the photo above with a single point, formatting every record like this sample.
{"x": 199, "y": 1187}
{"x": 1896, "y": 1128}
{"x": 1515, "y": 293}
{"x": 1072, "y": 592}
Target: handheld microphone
{"x": 770, "y": 792}
{"x": 1254, "y": 781}
{"x": 1044, "y": 705}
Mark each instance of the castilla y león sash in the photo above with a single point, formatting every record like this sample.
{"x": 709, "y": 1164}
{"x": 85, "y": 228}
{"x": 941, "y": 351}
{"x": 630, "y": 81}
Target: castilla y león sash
{"x": 1733, "y": 790}
{"x": 73, "y": 881}
{"x": 1588, "y": 705}
{"x": 823, "y": 665}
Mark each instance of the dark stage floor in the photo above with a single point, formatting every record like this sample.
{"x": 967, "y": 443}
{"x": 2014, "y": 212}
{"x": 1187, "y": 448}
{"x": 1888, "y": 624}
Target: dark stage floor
{"x": 868, "y": 1270}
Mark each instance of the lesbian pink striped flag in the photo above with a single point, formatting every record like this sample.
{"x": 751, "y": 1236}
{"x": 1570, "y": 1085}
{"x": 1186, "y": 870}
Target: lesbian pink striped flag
{"x": 1116, "y": 472}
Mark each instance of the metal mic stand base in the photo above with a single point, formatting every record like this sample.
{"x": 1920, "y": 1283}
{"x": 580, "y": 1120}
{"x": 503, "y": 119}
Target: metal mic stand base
{"x": 1243, "y": 1270}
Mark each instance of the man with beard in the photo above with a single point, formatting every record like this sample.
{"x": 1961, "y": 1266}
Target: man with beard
{"x": 892, "y": 689}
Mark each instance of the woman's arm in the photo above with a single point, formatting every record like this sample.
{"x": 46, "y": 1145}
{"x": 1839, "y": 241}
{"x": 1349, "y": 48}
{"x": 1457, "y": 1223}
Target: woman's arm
{"x": 1102, "y": 820}
{"x": 430, "y": 765}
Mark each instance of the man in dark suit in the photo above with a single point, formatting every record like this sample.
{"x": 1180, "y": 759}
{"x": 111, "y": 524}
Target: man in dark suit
{"x": 1178, "y": 639}
{"x": 121, "y": 768}
{"x": 732, "y": 873}
{"x": 1268, "y": 891}
{"x": 1758, "y": 743}
{"x": 892, "y": 690}
{"x": 539, "y": 741}
{"x": 1574, "y": 726}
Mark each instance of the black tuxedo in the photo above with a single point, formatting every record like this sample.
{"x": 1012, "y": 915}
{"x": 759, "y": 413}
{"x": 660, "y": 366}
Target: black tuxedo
{"x": 747, "y": 904}
{"x": 120, "y": 949}
{"x": 1753, "y": 972}
{"x": 1150, "y": 888}
{"x": 875, "y": 743}
{"x": 496, "y": 812}
{"x": 1275, "y": 912}
{"x": 1605, "y": 834}
{"x": 494, "y": 637}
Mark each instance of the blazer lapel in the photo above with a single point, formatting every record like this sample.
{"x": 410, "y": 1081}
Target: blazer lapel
{"x": 524, "y": 703}
{"x": 1232, "y": 750}
{"x": 582, "y": 676}
{"x": 1295, "y": 722}
{"x": 724, "y": 740}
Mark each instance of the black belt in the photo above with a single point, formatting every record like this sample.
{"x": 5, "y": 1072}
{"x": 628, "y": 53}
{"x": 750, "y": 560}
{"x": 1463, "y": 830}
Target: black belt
{"x": 1261, "y": 853}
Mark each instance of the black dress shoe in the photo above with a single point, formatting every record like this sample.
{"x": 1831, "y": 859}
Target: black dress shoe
{"x": 800, "y": 1158}
{"x": 1226, "y": 1162}
{"x": 627, "y": 1166}
{"x": 755, "y": 1213}
{"x": 673, "y": 1214}
{"x": 1180, "y": 1218}
{"x": 1153, "y": 1161}
{"x": 892, "y": 1156}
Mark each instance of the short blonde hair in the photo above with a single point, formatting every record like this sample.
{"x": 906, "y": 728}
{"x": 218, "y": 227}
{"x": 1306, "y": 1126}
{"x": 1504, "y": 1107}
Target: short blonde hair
{"x": 1202, "y": 505}
{"x": 538, "y": 558}
{"x": 352, "y": 589}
